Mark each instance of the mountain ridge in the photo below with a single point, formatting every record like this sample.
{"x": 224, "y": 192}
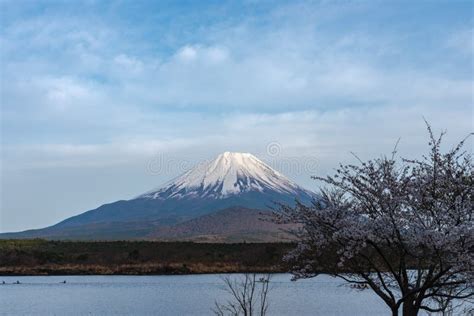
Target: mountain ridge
{"x": 231, "y": 180}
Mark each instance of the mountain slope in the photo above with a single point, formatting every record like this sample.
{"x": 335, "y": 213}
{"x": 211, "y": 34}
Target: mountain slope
{"x": 231, "y": 180}
{"x": 234, "y": 224}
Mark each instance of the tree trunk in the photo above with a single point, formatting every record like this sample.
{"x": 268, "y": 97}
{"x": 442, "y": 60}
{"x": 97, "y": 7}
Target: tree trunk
{"x": 409, "y": 308}
{"x": 394, "y": 311}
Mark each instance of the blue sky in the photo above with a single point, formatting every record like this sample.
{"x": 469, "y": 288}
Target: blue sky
{"x": 94, "y": 93}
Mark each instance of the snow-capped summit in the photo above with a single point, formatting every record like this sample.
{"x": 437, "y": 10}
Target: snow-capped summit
{"x": 230, "y": 173}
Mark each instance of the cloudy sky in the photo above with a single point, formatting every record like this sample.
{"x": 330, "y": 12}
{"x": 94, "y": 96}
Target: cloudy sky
{"x": 103, "y": 100}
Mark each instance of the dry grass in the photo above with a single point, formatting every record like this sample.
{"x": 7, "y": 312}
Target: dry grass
{"x": 37, "y": 257}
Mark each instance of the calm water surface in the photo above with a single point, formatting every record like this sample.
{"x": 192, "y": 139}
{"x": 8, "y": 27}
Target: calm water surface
{"x": 174, "y": 295}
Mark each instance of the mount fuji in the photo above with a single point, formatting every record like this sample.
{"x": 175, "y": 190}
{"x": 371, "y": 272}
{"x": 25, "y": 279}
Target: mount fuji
{"x": 230, "y": 192}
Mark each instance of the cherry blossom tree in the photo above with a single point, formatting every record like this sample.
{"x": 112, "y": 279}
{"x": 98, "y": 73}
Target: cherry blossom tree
{"x": 401, "y": 228}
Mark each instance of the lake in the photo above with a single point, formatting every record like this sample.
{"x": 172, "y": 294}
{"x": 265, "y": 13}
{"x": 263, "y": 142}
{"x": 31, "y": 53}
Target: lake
{"x": 174, "y": 295}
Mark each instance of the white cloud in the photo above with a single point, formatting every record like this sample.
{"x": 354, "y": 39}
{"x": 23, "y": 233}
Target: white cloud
{"x": 63, "y": 92}
{"x": 187, "y": 53}
{"x": 202, "y": 54}
{"x": 290, "y": 64}
{"x": 131, "y": 63}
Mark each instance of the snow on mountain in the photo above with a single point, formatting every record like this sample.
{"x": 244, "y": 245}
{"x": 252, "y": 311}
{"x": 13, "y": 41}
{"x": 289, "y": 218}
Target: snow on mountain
{"x": 229, "y": 174}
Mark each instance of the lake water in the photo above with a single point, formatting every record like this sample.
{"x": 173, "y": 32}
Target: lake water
{"x": 174, "y": 295}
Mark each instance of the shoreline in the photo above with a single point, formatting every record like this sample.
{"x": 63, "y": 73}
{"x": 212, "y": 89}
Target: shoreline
{"x": 149, "y": 269}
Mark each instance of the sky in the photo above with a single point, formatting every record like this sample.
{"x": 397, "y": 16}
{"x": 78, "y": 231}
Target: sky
{"x": 105, "y": 100}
